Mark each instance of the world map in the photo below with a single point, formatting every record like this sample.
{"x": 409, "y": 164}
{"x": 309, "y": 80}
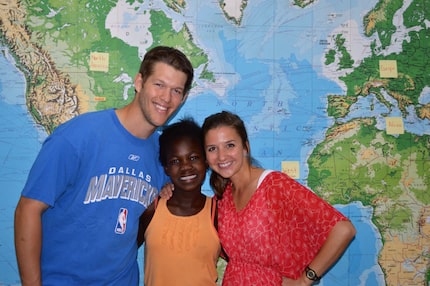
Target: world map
{"x": 334, "y": 93}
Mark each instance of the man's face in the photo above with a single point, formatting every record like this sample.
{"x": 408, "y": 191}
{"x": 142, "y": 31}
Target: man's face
{"x": 161, "y": 94}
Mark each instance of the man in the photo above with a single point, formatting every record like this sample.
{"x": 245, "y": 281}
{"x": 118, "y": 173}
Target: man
{"x": 77, "y": 219}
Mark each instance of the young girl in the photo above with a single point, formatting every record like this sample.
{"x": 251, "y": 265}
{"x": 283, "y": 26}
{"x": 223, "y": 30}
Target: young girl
{"x": 181, "y": 242}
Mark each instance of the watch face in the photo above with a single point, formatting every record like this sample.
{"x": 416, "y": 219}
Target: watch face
{"x": 310, "y": 274}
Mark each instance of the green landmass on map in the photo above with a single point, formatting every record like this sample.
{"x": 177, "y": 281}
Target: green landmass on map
{"x": 175, "y": 5}
{"x": 345, "y": 60}
{"x": 61, "y": 43}
{"x": 413, "y": 75}
{"x": 358, "y": 162}
{"x": 163, "y": 34}
{"x": 388, "y": 172}
{"x": 412, "y": 60}
{"x": 303, "y": 3}
{"x": 380, "y": 20}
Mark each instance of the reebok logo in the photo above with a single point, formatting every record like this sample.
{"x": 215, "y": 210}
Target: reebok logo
{"x": 133, "y": 157}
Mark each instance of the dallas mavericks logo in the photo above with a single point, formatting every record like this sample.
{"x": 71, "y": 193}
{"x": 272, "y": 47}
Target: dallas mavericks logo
{"x": 121, "y": 223}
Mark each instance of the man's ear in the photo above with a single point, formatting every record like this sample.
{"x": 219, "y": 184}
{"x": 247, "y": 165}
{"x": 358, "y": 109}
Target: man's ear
{"x": 138, "y": 82}
{"x": 185, "y": 97}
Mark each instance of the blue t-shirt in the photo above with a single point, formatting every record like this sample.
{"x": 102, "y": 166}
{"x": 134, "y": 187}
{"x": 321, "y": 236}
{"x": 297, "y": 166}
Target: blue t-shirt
{"x": 98, "y": 179}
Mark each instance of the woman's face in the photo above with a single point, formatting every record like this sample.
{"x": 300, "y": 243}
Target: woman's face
{"x": 225, "y": 152}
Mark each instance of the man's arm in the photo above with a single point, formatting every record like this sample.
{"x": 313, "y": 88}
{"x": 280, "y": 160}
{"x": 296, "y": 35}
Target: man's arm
{"x": 28, "y": 239}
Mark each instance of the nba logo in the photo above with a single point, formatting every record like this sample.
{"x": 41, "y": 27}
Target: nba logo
{"x": 121, "y": 222}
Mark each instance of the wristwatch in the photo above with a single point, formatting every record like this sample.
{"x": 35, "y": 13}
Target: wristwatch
{"x": 311, "y": 274}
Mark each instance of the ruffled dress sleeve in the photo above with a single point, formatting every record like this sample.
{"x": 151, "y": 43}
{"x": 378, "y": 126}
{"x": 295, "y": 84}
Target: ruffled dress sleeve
{"x": 303, "y": 221}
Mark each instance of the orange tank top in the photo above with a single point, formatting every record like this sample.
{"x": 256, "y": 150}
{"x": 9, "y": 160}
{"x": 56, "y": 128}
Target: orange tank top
{"x": 181, "y": 250}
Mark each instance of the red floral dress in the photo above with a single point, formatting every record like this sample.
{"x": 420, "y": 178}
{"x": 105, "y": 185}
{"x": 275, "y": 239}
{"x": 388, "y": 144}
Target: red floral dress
{"x": 277, "y": 234}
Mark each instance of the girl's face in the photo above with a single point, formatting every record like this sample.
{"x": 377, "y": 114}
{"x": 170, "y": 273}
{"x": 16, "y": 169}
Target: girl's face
{"x": 225, "y": 152}
{"x": 186, "y": 165}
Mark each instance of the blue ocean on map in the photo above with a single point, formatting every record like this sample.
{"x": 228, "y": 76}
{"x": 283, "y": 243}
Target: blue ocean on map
{"x": 359, "y": 264}
{"x": 19, "y": 144}
{"x": 21, "y": 139}
{"x": 263, "y": 66}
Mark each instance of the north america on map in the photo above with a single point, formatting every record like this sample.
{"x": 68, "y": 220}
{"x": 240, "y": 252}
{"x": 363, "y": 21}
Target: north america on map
{"x": 334, "y": 93}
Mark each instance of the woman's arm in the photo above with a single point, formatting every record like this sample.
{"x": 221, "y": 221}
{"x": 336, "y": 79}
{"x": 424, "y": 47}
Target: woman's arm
{"x": 337, "y": 241}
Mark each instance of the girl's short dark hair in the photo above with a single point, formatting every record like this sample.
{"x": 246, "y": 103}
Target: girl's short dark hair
{"x": 186, "y": 127}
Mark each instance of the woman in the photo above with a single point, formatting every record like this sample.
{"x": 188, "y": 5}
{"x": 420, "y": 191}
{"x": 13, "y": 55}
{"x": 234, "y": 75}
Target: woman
{"x": 273, "y": 230}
